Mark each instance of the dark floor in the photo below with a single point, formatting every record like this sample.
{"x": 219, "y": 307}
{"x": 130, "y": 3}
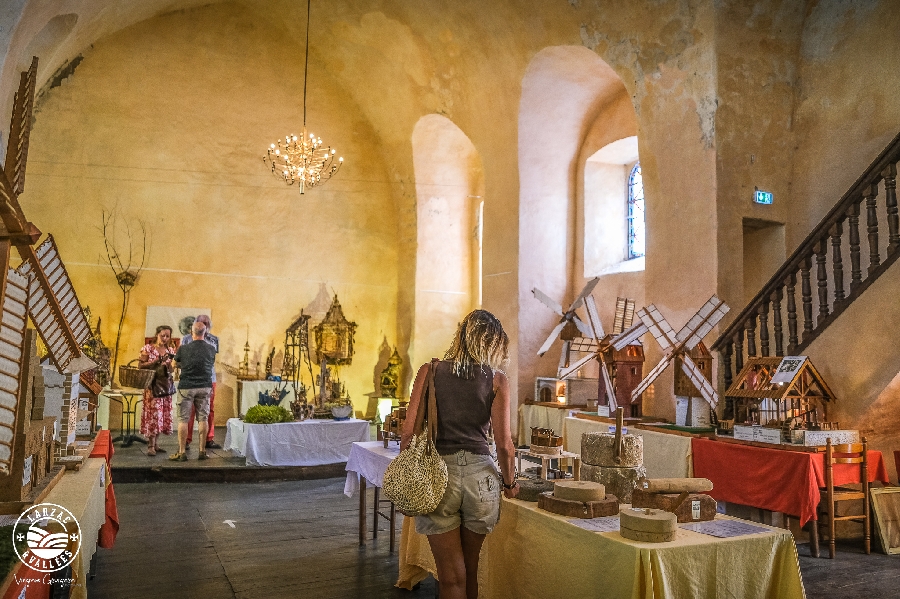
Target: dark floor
{"x": 300, "y": 539}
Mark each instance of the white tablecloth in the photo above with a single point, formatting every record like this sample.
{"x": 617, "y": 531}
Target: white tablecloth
{"x": 369, "y": 460}
{"x": 665, "y": 455}
{"x": 304, "y": 443}
{"x": 543, "y": 417}
{"x": 250, "y": 394}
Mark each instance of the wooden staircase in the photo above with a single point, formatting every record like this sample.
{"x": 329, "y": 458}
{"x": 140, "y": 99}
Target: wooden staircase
{"x": 875, "y": 192}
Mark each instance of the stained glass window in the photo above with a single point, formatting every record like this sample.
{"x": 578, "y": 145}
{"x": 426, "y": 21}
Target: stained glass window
{"x": 637, "y": 232}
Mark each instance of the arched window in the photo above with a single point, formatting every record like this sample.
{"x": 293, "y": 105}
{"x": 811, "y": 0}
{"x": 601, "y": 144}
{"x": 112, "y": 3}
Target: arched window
{"x": 637, "y": 232}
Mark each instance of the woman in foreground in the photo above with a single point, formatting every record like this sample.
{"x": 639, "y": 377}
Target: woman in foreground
{"x": 472, "y": 399}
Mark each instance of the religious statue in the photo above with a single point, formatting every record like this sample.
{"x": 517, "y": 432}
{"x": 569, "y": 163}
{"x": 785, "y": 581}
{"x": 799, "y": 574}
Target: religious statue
{"x": 390, "y": 376}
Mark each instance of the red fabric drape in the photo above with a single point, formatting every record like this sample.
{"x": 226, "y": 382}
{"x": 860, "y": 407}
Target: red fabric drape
{"x": 773, "y": 479}
{"x": 103, "y": 448}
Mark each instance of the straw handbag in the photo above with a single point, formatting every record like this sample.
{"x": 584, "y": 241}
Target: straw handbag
{"x": 416, "y": 479}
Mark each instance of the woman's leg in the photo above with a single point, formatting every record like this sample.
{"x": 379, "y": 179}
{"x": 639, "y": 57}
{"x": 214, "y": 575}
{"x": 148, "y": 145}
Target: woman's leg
{"x": 447, "y": 549}
{"x": 471, "y": 548}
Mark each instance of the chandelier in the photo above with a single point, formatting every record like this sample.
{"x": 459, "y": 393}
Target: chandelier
{"x": 304, "y": 160}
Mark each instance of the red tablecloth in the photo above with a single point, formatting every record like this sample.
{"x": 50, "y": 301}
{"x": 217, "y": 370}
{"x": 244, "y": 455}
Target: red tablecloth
{"x": 103, "y": 448}
{"x": 773, "y": 479}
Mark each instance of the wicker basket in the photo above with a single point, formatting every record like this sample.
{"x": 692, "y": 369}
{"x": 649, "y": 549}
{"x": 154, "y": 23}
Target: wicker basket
{"x": 137, "y": 378}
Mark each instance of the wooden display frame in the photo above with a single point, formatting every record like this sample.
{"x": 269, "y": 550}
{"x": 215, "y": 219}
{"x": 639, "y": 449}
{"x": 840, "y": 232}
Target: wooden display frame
{"x": 886, "y": 514}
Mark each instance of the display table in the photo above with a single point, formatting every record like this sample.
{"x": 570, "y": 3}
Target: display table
{"x": 368, "y": 462}
{"x": 535, "y": 554}
{"x": 248, "y": 393}
{"x": 774, "y": 479}
{"x": 303, "y": 443}
{"x": 103, "y": 448}
{"x": 541, "y": 416}
{"x": 665, "y": 455}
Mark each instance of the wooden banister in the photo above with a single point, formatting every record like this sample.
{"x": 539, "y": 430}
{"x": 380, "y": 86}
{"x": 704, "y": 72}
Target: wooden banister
{"x": 875, "y": 192}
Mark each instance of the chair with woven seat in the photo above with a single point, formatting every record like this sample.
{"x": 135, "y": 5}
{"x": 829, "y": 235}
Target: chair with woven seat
{"x": 849, "y": 453}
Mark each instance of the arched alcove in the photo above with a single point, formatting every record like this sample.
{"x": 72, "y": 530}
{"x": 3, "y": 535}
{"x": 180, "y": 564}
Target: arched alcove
{"x": 449, "y": 196}
{"x": 48, "y": 39}
{"x": 571, "y": 99}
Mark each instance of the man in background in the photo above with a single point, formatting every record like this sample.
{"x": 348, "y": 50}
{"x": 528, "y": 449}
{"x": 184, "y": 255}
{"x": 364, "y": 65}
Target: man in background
{"x": 211, "y": 430}
{"x": 196, "y": 361}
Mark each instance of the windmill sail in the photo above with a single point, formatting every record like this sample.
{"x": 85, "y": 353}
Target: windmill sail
{"x": 20, "y": 128}
{"x": 624, "y": 315}
{"x": 629, "y": 336}
{"x": 54, "y": 308}
{"x": 696, "y": 376}
{"x": 702, "y": 322}
{"x": 12, "y": 341}
{"x": 651, "y": 376}
{"x": 658, "y": 326}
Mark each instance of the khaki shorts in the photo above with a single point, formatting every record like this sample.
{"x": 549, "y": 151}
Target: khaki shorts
{"x": 472, "y": 498}
{"x": 198, "y": 398}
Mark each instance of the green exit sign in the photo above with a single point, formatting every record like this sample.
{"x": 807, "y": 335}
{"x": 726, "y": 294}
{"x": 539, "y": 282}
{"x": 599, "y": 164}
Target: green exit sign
{"x": 763, "y": 197}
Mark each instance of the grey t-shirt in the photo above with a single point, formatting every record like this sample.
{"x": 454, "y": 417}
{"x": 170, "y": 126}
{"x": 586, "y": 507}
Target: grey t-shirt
{"x": 196, "y": 361}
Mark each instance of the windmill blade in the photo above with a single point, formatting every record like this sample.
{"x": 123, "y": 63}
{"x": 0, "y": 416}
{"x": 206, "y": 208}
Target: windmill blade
{"x": 619, "y": 320}
{"x": 20, "y": 128}
{"x": 545, "y": 299}
{"x": 607, "y": 382}
{"x": 629, "y": 313}
{"x": 553, "y": 335}
{"x": 594, "y": 317}
{"x": 54, "y": 307}
{"x": 12, "y": 344}
{"x": 700, "y": 382}
{"x": 629, "y": 336}
{"x": 702, "y": 322}
{"x": 584, "y": 344}
{"x": 588, "y": 289}
{"x": 584, "y": 328}
{"x": 566, "y": 372}
{"x": 651, "y": 376}
{"x": 658, "y": 326}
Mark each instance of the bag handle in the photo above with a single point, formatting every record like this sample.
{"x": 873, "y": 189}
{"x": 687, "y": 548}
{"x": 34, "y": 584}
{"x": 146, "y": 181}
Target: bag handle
{"x": 426, "y": 415}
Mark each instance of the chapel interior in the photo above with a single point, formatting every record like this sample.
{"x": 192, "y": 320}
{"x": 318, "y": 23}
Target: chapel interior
{"x": 487, "y": 149}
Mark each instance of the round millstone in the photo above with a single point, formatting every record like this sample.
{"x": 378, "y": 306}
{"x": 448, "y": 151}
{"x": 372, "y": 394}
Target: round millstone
{"x": 579, "y": 490}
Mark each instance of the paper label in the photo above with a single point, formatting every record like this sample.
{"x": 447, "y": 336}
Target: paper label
{"x": 26, "y": 472}
{"x": 695, "y": 509}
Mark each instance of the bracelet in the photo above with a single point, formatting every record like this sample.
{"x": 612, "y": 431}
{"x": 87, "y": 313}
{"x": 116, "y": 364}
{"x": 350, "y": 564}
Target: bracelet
{"x": 512, "y": 486}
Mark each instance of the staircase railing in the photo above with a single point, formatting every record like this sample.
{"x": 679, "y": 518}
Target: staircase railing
{"x": 749, "y": 334}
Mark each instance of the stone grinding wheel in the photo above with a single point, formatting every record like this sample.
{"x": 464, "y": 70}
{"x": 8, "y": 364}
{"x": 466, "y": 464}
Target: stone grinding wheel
{"x": 647, "y": 525}
{"x": 609, "y": 506}
{"x": 579, "y": 490}
{"x": 599, "y": 449}
{"x": 530, "y": 489}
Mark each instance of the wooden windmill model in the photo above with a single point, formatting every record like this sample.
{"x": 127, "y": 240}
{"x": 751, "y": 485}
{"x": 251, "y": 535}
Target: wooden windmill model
{"x": 677, "y": 346}
{"x": 598, "y": 346}
{"x": 40, "y": 284}
{"x": 570, "y": 327}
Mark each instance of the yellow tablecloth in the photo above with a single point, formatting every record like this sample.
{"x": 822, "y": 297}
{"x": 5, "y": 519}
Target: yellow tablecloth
{"x": 84, "y": 494}
{"x": 535, "y": 554}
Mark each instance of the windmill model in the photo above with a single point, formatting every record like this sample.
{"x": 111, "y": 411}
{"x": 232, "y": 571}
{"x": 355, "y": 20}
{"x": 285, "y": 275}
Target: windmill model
{"x": 677, "y": 346}
{"x": 42, "y": 286}
{"x": 570, "y": 327}
{"x": 598, "y": 346}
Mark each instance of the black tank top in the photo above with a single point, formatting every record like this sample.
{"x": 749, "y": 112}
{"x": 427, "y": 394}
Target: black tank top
{"x": 464, "y": 409}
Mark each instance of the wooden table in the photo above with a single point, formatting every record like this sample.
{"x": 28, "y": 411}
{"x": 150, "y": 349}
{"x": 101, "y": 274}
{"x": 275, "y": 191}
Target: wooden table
{"x": 775, "y": 478}
{"x": 366, "y": 465}
{"x": 547, "y": 457}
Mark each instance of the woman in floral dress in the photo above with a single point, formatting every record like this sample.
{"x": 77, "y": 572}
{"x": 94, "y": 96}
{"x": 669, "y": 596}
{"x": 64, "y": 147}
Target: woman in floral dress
{"x": 156, "y": 417}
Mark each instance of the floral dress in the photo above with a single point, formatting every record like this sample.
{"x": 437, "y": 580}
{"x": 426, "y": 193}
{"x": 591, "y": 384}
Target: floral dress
{"x": 156, "y": 417}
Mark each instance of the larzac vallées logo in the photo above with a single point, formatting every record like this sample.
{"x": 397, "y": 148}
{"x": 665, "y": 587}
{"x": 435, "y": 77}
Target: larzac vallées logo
{"x": 46, "y": 537}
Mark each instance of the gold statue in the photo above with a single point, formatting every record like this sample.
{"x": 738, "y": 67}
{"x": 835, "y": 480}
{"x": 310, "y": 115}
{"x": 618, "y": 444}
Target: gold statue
{"x": 390, "y": 376}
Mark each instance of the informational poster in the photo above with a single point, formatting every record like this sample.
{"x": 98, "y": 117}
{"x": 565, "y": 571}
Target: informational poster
{"x": 180, "y": 319}
{"x": 788, "y": 368}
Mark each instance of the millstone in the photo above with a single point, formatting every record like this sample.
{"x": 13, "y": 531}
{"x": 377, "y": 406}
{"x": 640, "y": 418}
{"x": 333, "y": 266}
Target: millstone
{"x": 599, "y": 449}
{"x": 608, "y": 506}
{"x": 618, "y": 481}
{"x": 647, "y": 525}
{"x": 530, "y": 490}
{"x": 579, "y": 490}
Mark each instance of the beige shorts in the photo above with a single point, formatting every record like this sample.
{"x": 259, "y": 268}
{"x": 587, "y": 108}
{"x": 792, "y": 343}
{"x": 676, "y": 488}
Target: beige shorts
{"x": 198, "y": 398}
{"x": 472, "y": 498}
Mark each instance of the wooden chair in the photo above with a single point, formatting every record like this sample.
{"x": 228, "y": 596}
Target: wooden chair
{"x": 850, "y": 453}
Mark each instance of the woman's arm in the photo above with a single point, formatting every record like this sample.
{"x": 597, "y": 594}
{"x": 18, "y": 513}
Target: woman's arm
{"x": 413, "y": 408}
{"x": 144, "y": 361}
{"x": 506, "y": 451}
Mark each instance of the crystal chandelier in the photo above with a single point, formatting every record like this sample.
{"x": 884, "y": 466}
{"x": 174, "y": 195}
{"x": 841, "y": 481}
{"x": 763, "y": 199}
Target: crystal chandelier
{"x": 304, "y": 160}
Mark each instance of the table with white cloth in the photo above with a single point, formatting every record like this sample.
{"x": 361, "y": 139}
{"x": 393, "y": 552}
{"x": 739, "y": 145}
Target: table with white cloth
{"x": 305, "y": 443}
{"x": 535, "y": 554}
{"x": 367, "y": 464}
{"x": 543, "y": 417}
{"x": 665, "y": 455}
{"x": 248, "y": 393}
